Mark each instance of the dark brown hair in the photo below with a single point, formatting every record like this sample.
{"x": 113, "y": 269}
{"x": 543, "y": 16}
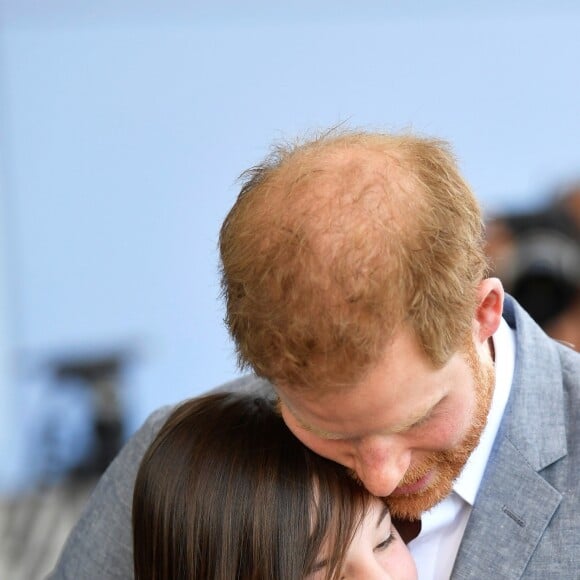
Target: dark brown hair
{"x": 226, "y": 492}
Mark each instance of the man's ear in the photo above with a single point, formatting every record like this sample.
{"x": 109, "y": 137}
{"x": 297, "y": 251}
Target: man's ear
{"x": 489, "y": 308}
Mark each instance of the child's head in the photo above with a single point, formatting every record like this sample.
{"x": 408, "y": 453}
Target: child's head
{"x": 226, "y": 492}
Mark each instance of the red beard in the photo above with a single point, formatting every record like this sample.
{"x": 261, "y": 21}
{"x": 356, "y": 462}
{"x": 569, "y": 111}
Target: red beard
{"x": 447, "y": 465}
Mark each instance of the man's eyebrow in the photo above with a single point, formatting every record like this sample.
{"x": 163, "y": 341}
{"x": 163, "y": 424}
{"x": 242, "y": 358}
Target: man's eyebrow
{"x": 318, "y": 432}
{"x": 419, "y": 417}
{"x": 423, "y": 415}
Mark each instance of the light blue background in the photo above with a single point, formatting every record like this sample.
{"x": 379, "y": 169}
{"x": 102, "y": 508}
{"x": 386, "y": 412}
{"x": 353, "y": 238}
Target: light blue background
{"x": 123, "y": 129}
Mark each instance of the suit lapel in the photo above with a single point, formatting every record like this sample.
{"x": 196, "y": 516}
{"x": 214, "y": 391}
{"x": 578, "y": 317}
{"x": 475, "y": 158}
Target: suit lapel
{"x": 515, "y": 503}
{"x": 510, "y": 515}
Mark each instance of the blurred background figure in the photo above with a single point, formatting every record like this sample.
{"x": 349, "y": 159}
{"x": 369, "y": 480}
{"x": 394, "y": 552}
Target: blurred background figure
{"x": 76, "y": 429}
{"x": 537, "y": 256}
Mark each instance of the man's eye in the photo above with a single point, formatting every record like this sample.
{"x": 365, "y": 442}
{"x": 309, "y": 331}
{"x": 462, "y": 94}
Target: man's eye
{"x": 386, "y": 543}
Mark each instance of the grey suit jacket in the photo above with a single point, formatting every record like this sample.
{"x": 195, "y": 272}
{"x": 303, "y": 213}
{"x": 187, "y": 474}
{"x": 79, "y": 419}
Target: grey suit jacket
{"x": 526, "y": 518}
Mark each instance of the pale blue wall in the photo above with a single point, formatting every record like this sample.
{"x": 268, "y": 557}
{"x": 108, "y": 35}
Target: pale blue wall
{"x": 123, "y": 133}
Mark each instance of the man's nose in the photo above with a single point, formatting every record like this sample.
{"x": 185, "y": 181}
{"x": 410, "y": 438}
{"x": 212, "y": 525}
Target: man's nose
{"x": 381, "y": 464}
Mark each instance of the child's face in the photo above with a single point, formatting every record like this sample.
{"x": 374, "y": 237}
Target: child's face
{"x": 377, "y": 552}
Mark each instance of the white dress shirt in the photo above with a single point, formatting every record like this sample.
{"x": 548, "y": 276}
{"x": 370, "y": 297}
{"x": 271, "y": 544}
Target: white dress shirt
{"x": 442, "y": 527}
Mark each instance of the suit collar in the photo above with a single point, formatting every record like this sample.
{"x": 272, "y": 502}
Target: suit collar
{"x": 535, "y": 417}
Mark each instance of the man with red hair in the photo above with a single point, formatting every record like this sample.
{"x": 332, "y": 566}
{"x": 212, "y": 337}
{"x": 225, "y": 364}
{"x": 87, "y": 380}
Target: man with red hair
{"x": 355, "y": 279}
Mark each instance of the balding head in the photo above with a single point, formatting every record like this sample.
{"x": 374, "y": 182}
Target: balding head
{"x": 336, "y": 242}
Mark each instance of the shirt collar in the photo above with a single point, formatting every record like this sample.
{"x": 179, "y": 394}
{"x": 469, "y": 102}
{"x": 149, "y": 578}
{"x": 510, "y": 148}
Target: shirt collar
{"x": 467, "y": 484}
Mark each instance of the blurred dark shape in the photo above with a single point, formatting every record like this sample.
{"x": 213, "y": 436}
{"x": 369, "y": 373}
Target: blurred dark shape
{"x": 102, "y": 375}
{"x": 546, "y": 273}
{"x": 537, "y": 256}
{"x": 79, "y": 428}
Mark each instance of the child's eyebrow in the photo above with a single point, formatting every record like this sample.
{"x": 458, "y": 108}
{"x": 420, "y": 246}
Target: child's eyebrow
{"x": 382, "y": 515}
{"x": 323, "y": 563}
